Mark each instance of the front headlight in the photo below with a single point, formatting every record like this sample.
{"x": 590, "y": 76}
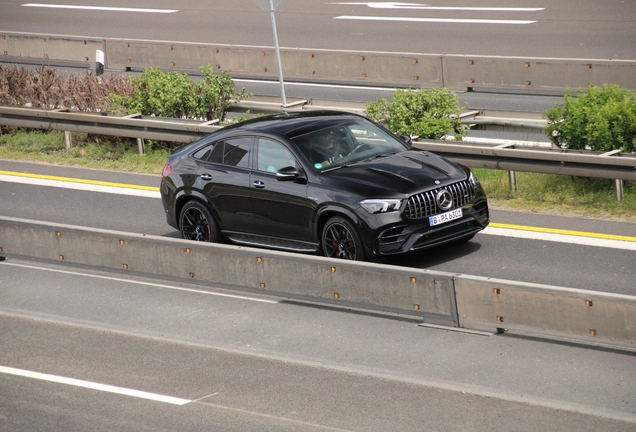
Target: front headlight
{"x": 472, "y": 178}
{"x": 381, "y": 205}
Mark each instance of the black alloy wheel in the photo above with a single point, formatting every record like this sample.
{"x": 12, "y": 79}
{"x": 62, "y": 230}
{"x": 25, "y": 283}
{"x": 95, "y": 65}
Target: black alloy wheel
{"x": 340, "y": 239}
{"x": 197, "y": 223}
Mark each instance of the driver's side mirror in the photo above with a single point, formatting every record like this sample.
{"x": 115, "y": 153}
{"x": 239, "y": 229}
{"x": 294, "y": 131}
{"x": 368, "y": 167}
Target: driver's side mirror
{"x": 406, "y": 138}
{"x": 290, "y": 173}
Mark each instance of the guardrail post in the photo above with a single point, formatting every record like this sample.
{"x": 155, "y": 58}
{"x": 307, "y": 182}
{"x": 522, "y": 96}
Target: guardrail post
{"x": 68, "y": 140}
{"x": 512, "y": 179}
{"x": 141, "y": 145}
{"x": 618, "y": 185}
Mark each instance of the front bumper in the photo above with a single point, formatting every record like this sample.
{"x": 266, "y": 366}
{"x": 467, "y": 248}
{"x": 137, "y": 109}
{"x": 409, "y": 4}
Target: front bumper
{"x": 420, "y": 235}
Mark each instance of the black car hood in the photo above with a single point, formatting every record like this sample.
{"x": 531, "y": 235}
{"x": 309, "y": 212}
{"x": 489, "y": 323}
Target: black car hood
{"x": 405, "y": 172}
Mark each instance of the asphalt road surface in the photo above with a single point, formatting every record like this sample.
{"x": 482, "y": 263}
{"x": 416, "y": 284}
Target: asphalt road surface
{"x": 87, "y": 350}
{"x": 564, "y": 29}
{"x": 600, "y": 264}
{"x": 83, "y": 350}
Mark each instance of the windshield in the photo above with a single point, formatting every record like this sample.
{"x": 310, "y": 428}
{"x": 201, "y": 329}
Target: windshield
{"x": 346, "y": 144}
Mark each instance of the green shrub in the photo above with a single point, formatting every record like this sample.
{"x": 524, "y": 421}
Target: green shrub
{"x": 429, "y": 114}
{"x": 600, "y": 119}
{"x": 176, "y": 95}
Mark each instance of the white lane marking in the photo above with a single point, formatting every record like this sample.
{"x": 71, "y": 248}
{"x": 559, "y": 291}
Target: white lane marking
{"x": 100, "y": 8}
{"x": 434, "y": 20}
{"x": 416, "y": 6}
{"x": 560, "y": 238}
{"x": 80, "y": 186}
{"x": 172, "y": 287}
{"x": 94, "y": 386}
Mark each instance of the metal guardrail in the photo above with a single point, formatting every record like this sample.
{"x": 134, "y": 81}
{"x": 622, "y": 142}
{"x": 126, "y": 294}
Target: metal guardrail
{"x": 161, "y": 129}
{"x": 611, "y": 165}
{"x": 440, "y": 298}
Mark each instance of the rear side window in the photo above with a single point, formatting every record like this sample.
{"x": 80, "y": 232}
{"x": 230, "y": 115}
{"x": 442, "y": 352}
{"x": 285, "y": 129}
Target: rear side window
{"x": 232, "y": 152}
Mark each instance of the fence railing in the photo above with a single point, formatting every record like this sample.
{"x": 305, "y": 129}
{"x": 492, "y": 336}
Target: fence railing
{"x": 611, "y": 165}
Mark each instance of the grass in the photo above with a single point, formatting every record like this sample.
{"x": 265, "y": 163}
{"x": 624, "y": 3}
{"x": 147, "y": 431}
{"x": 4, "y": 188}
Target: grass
{"x": 544, "y": 193}
{"x": 558, "y": 194}
{"x": 89, "y": 152}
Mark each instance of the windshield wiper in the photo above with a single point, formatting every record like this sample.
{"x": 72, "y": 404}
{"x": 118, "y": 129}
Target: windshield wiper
{"x": 389, "y": 153}
{"x": 335, "y": 168}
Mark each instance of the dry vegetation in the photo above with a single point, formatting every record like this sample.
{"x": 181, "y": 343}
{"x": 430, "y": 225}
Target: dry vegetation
{"x": 49, "y": 88}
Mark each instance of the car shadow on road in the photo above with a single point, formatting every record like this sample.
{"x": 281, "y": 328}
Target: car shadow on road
{"x": 420, "y": 259}
{"x": 172, "y": 234}
{"x": 434, "y": 256}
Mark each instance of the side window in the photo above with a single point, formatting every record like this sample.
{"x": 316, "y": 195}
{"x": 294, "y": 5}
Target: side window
{"x": 236, "y": 152}
{"x": 204, "y": 153}
{"x": 273, "y": 156}
{"x": 233, "y": 152}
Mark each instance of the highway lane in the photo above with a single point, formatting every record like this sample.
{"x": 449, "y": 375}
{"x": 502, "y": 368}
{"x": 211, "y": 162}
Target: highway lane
{"x": 537, "y": 259}
{"x": 256, "y": 364}
{"x": 566, "y": 29}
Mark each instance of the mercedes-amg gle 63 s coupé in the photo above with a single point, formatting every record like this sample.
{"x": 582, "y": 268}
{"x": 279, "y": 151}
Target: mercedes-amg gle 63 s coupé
{"x": 320, "y": 182}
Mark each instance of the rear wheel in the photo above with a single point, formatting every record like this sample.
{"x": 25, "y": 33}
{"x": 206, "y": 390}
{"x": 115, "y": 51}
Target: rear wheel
{"x": 340, "y": 239}
{"x": 197, "y": 223}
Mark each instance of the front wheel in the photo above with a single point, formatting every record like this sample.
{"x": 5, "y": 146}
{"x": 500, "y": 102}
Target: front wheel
{"x": 197, "y": 223}
{"x": 340, "y": 239}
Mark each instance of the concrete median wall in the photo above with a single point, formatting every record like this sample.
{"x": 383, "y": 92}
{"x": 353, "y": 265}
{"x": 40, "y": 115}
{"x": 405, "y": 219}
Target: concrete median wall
{"x": 50, "y": 48}
{"x": 416, "y": 70}
{"x": 298, "y": 64}
{"x": 448, "y": 299}
{"x": 487, "y": 304}
{"x": 420, "y": 293}
{"x": 461, "y": 72}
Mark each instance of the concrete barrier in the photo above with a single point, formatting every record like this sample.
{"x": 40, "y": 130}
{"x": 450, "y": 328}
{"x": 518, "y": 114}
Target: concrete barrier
{"x": 46, "y": 49}
{"x": 489, "y": 304}
{"x": 415, "y": 70}
{"x": 424, "y": 294}
{"x": 301, "y": 64}
{"x": 448, "y": 299}
{"x": 493, "y": 72}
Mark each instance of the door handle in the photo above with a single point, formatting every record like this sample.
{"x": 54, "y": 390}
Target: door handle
{"x": 206, "y": 176}
{"x": 259, "y": 184}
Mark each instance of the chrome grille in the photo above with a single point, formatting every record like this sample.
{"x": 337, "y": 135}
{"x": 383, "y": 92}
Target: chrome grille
{"x": 423, "y": 205}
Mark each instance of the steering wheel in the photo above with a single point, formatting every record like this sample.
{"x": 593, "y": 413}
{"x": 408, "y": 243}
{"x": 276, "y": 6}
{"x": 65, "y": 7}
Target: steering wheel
{"x": 359, "y": 148}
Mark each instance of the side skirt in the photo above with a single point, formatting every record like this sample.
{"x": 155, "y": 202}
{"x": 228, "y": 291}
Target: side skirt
{"x": 271, "y": 242}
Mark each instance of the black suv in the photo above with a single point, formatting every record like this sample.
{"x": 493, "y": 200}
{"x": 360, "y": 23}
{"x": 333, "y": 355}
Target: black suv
{"x": 320, "y": 182}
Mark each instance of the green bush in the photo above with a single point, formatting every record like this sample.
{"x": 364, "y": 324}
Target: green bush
{"x": 600, "y": 119}
{"x": 429, "y": 114}
{"x": 176, "y": 95}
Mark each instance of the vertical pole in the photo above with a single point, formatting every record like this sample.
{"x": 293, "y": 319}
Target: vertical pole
{"x": 68, "y": 140}
{"x": 141, "y": 145}
{"x": 512, "y": 180}
{"x": 280, "y": 66}
{"x": 618, "y": 185}
{"x": 99, "y": 63}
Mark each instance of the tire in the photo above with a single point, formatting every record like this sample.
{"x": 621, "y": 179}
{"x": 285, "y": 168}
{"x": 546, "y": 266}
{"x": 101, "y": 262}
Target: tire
{"x": 340, "y": 239}
{"x": 196, "y": 223}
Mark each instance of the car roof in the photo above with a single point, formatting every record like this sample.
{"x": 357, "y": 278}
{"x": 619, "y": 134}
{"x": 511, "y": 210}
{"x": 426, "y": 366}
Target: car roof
{"x": 294, "y": 124}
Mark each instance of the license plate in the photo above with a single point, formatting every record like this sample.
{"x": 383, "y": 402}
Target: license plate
{"x": 445, "y": 217}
